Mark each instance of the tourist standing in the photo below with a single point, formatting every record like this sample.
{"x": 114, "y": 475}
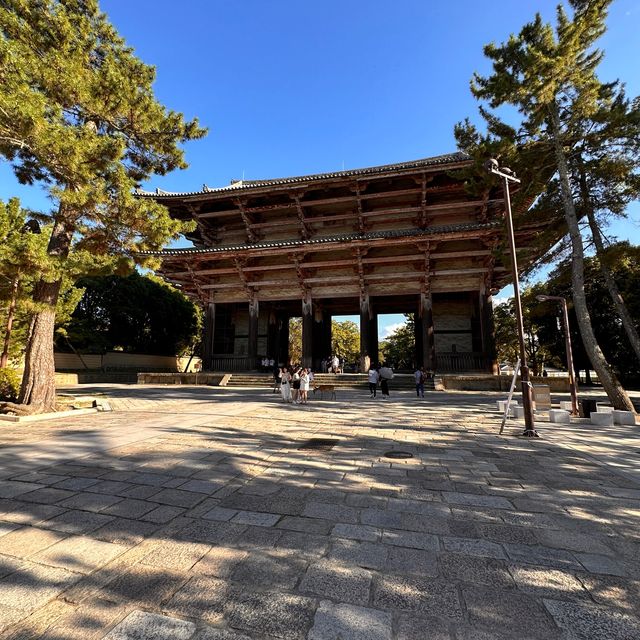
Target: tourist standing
{"x": 335, "y": 364}
{"x": 295, "y": 392}
{"x": 386, "y": 374}
{"x": 373, "y": 378}
{"x": 285, "y": 384}
{"x": 420, "y": 376}
{"x": 304, "y": 386}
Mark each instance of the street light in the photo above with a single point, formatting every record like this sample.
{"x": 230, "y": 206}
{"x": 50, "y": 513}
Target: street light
{"x": 509, "y": 176}
{"x": 565, "y": 321}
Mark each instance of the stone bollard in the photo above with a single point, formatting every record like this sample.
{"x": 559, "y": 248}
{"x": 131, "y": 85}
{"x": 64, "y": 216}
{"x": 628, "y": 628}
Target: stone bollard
{"x": 604, "y": 408}
{"x": 503, "y": 403}
{"x": 623, "y": 417}
{"x": 602, "y": 419}
{"x": 518, "y": 412}
{"x": 559, "y": 415}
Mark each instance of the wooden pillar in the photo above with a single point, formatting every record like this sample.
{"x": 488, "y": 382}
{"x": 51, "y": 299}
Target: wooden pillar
{"x": 488, "y": 332}
{"x": 418, "y": 332}
{"x": 307, "y": 331}
{"x": 208, "y": 331}
{"x": 428, "y": 342}
{"x": 321, "y": 336}
{"x": 272, "y": 335}
{"x": 365, "y": 333}
{"x": 326, "y": 338}
{"x": 254, "y": 312}
{"x": 282, "y": 341}
{"x": 373, "y": 336}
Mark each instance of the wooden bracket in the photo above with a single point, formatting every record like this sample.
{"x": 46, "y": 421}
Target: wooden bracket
{"x": 362, "y": 223}
{"x": 305, "y": 232}
{"x": 297, "y": 260}
{"x": 246, "y": 283}
{"x": 251, "y": 235}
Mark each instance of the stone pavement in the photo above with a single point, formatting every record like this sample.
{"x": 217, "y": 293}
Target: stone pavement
{"x": 195, "y": 513}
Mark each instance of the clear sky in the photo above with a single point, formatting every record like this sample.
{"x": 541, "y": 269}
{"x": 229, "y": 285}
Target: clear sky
{"x": 289, "y": 87}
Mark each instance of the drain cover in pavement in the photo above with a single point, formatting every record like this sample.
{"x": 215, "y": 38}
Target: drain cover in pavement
{"x": 318, "y": 444}
{"x": 398, "y": 455}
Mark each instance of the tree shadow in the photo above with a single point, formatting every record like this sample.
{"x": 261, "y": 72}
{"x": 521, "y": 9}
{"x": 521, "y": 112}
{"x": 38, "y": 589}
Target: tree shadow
{"x": 221, "y": 519}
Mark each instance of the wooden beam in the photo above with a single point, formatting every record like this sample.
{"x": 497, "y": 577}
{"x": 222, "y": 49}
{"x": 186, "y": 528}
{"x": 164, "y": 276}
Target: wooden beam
{"x": 478, "y": 234}
{"x": 415, "y": 257}
{"x": 334, "y": 200}
{"x": 305, "y": 282}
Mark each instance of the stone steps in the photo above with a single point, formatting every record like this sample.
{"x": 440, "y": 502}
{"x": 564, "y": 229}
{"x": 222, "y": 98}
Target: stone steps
{"x": 339, "y": 381}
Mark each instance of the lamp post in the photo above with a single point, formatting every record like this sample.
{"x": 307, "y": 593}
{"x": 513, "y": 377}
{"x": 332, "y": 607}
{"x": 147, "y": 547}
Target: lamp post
{"x": 567, "y": 336}
{"x": 508, "y": 176}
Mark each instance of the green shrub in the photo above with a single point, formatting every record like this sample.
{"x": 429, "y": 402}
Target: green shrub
{"x": 9, "y": 385}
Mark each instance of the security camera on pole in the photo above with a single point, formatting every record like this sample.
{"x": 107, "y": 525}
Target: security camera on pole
{"x": 509, "y": 176}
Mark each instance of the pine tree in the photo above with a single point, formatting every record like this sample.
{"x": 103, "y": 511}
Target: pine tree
{"x": 78, "y": 115}
{"x": 550, "y": 77}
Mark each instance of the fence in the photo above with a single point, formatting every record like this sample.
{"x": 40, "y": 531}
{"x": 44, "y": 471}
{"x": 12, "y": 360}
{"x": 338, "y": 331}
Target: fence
{"x": 462, "y": 362}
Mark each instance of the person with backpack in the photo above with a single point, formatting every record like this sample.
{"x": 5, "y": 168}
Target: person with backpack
{"x": 386, "y": 374}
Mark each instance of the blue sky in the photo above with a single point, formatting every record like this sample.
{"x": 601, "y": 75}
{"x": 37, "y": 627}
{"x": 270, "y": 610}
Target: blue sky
{"x": 289, "y": 87}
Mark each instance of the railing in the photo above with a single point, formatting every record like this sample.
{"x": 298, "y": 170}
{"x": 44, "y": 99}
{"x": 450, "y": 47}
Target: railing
{"x": 462, "y": 362}
{"x": 232, "y": 363}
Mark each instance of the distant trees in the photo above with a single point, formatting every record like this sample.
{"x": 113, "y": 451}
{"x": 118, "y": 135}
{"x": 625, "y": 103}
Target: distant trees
{"x": 398, "y": 349}
{"x": 345, "y": 340}
{"x": 544, "y": 337}
{"x": 135, "y": 314}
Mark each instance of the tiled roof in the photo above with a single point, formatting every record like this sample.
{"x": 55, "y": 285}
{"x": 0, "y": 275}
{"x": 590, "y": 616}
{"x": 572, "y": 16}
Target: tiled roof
{"x": 403, "y": 233}
{"x": 239, "y": 185}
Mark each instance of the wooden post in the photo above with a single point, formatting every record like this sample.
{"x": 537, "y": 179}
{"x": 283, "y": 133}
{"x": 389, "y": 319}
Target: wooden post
{"x": 282, "y": 342}
{"x": 418, "y": 333}
{"x": 428, "y": 343}
{"x": 488, "y": 331}
{"x": 365, "y": 333}
{"x": 307, "y": 331}
{"x": 208, "y": 336}
{"x": 373, "y": 336}
{"x": 272, "y": 334}
{"x": 321, "y": 336}
{"x": 254, "y": 312}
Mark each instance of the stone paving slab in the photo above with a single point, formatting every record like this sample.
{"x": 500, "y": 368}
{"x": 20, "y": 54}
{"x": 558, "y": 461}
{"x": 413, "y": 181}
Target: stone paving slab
{"x": 206, "y": 521}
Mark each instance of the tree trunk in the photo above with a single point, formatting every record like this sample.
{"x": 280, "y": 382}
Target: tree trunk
{"x": 614, "y": 390}
{"x": 614, "y": 292}
{"x": 38, "y": 381}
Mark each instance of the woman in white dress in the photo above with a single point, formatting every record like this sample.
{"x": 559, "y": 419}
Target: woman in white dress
{"x": 304, "y": 386}
{"x": 285, "y": 384}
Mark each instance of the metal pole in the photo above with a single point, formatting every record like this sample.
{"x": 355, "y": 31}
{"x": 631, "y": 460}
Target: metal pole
{"x": 527, "y": 400}
{"x": 572, "y": 375}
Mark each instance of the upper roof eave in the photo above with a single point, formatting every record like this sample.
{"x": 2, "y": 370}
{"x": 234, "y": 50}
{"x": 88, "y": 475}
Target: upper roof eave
{"x": 345, "y": 238}
{"x": 457, "y": 159}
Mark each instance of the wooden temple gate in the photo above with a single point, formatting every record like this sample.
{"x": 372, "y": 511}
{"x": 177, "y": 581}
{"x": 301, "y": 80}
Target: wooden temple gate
{"x": 402, "y": 238}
